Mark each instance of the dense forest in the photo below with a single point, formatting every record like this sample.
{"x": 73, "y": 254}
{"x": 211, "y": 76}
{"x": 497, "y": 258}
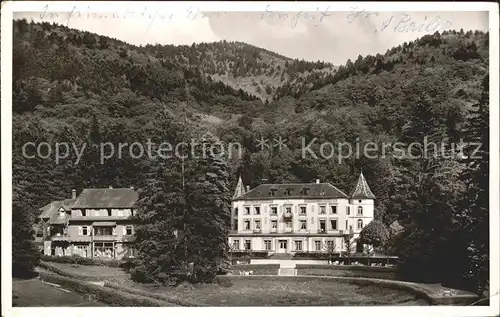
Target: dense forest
{"x": 75, "y": 86}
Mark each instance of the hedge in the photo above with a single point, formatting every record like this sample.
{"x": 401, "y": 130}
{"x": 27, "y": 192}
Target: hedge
{"x": 110, "y": 296}
{"x": 163, "y": 297}
{"x": 258, "y": 269}
{"x": 82, "y": 277}
{"x": 75, "y": 259}
{"x": 366, "y": 260}
{"x": 349, "y": 271}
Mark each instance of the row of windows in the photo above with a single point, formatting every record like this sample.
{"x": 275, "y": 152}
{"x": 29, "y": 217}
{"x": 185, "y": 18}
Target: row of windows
{"x": 303, "y": 210}
{"x": 303, "y": 224}
{"x": 330, "y": 245}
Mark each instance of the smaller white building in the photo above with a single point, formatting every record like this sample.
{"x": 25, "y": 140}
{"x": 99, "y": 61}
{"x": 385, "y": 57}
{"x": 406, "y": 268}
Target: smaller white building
{"x": 308, "y": 217}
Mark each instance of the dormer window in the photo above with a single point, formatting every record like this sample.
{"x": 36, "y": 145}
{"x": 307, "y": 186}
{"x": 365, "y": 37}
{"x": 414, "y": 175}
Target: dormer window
{"x": 288, "y": 191}
{"x": 272, "y": 192}
{"x": 305, "y": 191}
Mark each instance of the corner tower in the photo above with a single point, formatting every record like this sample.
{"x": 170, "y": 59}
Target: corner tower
{"x": 362, "y": 201}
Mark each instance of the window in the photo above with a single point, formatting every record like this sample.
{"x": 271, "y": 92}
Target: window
{"x": 330, "y": 245}
{"x": 131, "y": 252}
{"x": 235, "y": 224}
{"x": 303, "y": 210}
{"x": 303, "y": 225}
{"x": 247, "y": 224}
{"x": 348, "y": 210}
{"x": 322, "y": 209}
{"x": 274, "y": 224}
{"x": 257, "y": 224}
{"x": 129, "y": 230}
{"x": 236, "y": 211}
{"x": 298, "y": 245}
{"x": 317, "y": 245}
{"x": 257, "y": 210}
{"x": 334, "y": 209}
{"x": 288, "y": 210}
{"x": 322, "y": 226}
{"x": 346, "y": 225}
{"x": 360, "y": 211}
{"x": 236, "y": 244}
{"x": 305, "y": 191}
{"x": 267, "y": 244}
{"x": 85, "y": 231}
{"x": 360, "y": 224}
{"x": 248, "y": 244}
{"x": 333, "y": 224}
{"x": 350, "y": 227}
{"x": 272, "y": 192}
{"x": 103, "y": 249}
{"x": 247, "y": 210}
{"x": 274, "y": 210}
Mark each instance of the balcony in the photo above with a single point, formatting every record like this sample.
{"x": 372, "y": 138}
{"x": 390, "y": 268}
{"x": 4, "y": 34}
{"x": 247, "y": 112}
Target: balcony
{"x": 257, "y": 230}
{"x": 288, "y": 230}
{"x": 274, "y": 215}
{"x": 105, "y": 238}
{"x": 273, "y": 230}
{"x": 322, "y": 231}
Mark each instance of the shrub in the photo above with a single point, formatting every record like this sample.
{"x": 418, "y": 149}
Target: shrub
{"x": 110, "y": 296}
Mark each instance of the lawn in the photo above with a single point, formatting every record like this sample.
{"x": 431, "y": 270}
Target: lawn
{"x": 287, "y": 292}
{"x": 35, "y": 293}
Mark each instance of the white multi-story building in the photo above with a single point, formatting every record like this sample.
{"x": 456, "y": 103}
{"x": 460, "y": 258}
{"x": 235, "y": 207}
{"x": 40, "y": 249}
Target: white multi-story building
{"x": 289, "y": 218}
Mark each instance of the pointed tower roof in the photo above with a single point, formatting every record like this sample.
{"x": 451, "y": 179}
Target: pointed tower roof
{"x": 362, "y": 190}
{"x": 240, "y": 189}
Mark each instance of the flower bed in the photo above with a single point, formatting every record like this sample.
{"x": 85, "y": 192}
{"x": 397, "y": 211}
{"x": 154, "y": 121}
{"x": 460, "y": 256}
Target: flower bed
{"x": 110, "y": 296}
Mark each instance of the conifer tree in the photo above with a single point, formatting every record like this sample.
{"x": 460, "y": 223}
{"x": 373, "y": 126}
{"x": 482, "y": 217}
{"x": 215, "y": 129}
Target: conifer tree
{"x": 208, "y": 217}
{"x": 470, "y": 246}
{"x": 426, "y": 194}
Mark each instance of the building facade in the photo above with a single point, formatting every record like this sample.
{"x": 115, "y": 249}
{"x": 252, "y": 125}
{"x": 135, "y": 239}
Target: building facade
{"x": 309, "y": 217}
{"x": 96, "y": 224}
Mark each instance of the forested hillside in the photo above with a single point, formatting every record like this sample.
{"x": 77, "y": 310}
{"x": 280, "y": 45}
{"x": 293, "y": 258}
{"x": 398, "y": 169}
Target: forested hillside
{"x": 64, "y": 77}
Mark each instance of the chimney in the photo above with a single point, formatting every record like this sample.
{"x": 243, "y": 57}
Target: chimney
{"x": 317, "y": 180}
{"x": 248, "y": 188}
{"x": 73, "y": 194}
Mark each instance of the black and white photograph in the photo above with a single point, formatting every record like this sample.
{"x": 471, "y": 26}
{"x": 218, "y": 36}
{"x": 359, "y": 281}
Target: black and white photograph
{"x": 339, "y": 157}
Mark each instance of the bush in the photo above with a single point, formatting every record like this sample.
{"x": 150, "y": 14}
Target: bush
{"x": 110, "y": 296}
{"x": 75, "y": 259}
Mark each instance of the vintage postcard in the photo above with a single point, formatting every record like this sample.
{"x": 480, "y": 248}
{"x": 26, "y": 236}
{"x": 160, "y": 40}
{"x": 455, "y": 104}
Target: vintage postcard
{"x": 250, "y": 158}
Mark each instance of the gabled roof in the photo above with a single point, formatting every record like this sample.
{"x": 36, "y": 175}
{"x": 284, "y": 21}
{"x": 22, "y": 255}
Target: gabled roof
{"x": 240, "y": 189}
{"x": 291, "y": 191}
{"x": 362, "y": 190}
{"x": 50, "y": 209}
{"x": 107, "y": 198}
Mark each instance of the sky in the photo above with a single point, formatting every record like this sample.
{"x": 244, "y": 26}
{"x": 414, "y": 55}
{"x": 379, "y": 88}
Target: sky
{"x": 321, "y": 35}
